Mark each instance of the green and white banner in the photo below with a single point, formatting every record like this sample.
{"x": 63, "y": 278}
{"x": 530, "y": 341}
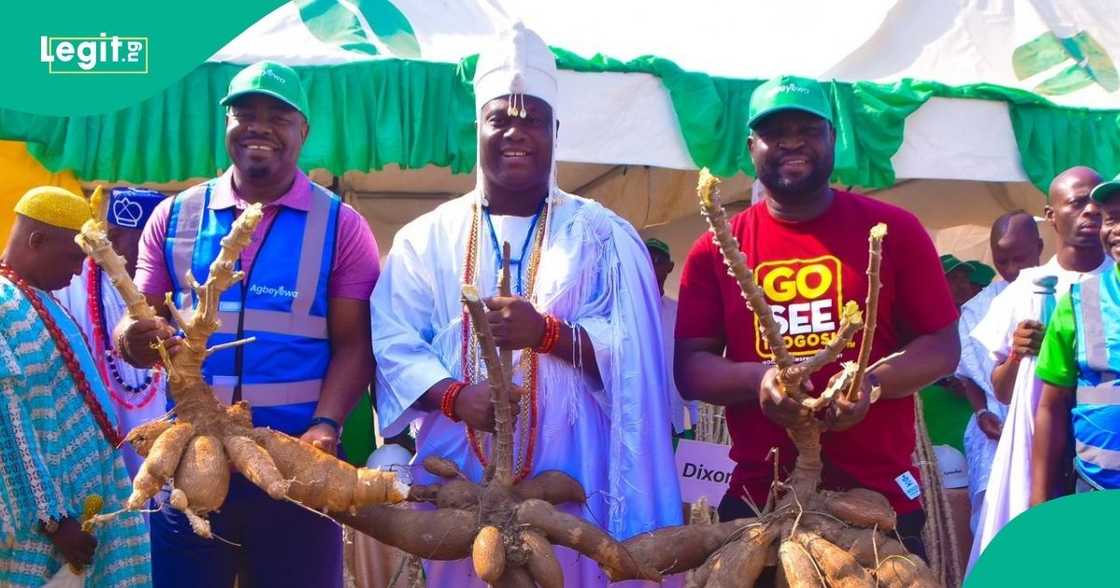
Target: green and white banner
{"x": 1058, "y": 50}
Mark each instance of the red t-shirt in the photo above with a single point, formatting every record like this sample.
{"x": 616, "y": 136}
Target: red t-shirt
{"x": 809, "y": 270}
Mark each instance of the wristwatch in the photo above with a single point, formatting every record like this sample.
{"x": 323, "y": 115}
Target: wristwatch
{"x": 322, "y": 420}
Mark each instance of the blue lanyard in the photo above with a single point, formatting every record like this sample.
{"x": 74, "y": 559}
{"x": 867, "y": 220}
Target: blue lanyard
{"x": 513, "y": 263}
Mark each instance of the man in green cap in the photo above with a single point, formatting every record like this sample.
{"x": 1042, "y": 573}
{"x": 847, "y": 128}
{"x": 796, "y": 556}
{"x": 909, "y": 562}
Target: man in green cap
{"x": 945, "y": 403}
{"x": 980, "y": 275}
{"x": 1078, "y": 365}
{"x": 309, "y": 272}
{"x": 807, "y": 244}
{"x": 958, "y": 274}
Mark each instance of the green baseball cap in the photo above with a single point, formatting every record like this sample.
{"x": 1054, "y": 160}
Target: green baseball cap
{"x": 788, "y": 93}
{"x": 980, "y": 273}
{"x": 658, "y": 245}
{"x": 950, "y": 262}
{"x": 1105, "y": 190}
{"x": 271, "y": 79}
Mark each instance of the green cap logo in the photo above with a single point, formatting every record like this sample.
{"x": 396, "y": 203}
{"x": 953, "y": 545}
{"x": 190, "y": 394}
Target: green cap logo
{"x": 271, "y": 79}
{"x": 788, "y": 93}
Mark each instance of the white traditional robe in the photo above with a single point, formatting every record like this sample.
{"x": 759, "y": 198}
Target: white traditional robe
{"x": 976, "y": 365}
{"x": 1008, "y": 490}
{"x": 74, "y": 298}
{"x": 614, "y": 439}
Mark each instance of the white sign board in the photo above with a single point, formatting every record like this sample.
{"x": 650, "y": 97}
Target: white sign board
{"x": 704, "y": 469}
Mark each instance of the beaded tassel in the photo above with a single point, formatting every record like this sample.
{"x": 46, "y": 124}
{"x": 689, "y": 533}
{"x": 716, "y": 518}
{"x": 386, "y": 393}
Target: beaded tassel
{"x": 107, "y": 358}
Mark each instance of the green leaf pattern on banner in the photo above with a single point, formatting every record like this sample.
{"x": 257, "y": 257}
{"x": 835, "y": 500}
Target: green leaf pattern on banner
{"x": 360, "y": 26}
{"x": 1091, "y": 63}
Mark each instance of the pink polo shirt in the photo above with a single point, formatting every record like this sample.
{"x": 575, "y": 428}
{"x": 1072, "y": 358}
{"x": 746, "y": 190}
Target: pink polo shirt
{"x": 356, "y": 263}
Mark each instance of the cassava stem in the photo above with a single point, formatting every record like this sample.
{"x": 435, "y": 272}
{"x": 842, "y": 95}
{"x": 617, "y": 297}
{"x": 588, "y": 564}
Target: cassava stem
{"x": 850, "y": 322}
{"x": 498, "y": 374}
{"x": 736, "y": 263}
{"x": 871, "y": 307}
{"x": 196, "y": 450}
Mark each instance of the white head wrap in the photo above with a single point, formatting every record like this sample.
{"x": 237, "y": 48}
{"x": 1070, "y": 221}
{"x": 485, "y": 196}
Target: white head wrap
{"x": 519, "y": 63}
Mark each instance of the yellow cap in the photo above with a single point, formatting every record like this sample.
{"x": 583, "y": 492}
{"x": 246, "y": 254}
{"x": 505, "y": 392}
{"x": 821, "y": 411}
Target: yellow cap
{"x": 54, "y": 206}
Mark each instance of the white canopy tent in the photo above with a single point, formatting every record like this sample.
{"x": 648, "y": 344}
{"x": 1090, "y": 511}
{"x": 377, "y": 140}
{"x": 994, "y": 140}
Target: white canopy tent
{"x": 621, "y": 142}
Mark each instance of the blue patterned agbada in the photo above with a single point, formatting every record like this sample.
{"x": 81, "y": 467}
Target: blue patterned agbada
{"x": 53, "y": 454}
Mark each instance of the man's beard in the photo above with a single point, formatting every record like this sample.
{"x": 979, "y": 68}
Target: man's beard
{"x": 776, "y": 184}
{"x": 258, "y": 172}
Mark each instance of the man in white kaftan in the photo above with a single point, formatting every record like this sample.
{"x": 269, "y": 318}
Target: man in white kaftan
{"x": 1015, "y": 245}
{"x": 608, "y": 428}
{"x": 1011, "y": 333}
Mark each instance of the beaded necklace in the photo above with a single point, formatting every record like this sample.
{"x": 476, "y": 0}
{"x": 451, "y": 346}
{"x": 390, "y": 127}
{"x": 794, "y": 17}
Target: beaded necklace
{"x": 497, "y": 248}
{"x": 470, "y": 353}
{"x": 107, "y": 429}
{"x": 106, "y": 357}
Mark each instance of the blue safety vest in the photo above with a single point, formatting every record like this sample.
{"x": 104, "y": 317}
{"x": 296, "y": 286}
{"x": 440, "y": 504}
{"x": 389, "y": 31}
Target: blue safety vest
{"x": 1096, "y": 415}
{"x": 282, "y": 302}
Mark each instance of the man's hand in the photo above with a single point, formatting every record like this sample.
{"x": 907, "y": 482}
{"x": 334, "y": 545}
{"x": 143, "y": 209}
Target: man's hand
{"x": 516, "y": 324}
{"x": 76, "y": 546}
{"x": 323, "y": 436}
{"x": 845, "y": 414}
{"x": 989, "y": 424}
{"x": 473, "y": 406}
{"x": 134, "y": 339}
{"x": 777, "y": 406}
{"x": 1027, "y": 338}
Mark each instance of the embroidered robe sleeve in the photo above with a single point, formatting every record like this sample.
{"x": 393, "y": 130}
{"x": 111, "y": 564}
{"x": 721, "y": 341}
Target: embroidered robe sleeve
{"x": 401, "y": 315}
{"x": 623, "y": 321}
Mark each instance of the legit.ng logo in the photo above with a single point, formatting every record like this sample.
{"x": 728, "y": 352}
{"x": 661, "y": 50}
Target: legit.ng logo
{"x": 103, "y": 54}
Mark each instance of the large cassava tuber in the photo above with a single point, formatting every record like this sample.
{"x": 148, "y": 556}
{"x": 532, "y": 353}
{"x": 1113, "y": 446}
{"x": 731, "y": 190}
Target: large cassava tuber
{"x": 816, "y": 538}
{"x": 194, "y": 451}
{"x": 203, "y": 474}
{"x": 507, "y": 527}
{"x": 743, "y": 565}
{"x": 798, "y": 567}
{"x": 544, "y": 568}
{"x": 489, "y": 555}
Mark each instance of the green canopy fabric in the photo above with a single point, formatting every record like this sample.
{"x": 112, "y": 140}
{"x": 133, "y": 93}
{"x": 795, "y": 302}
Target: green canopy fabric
{"x": 363, "y": 117}
{"x": 366, "y": 115}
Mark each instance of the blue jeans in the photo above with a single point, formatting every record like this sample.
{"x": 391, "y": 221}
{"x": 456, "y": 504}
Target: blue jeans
{"x": 279, "y": 544}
